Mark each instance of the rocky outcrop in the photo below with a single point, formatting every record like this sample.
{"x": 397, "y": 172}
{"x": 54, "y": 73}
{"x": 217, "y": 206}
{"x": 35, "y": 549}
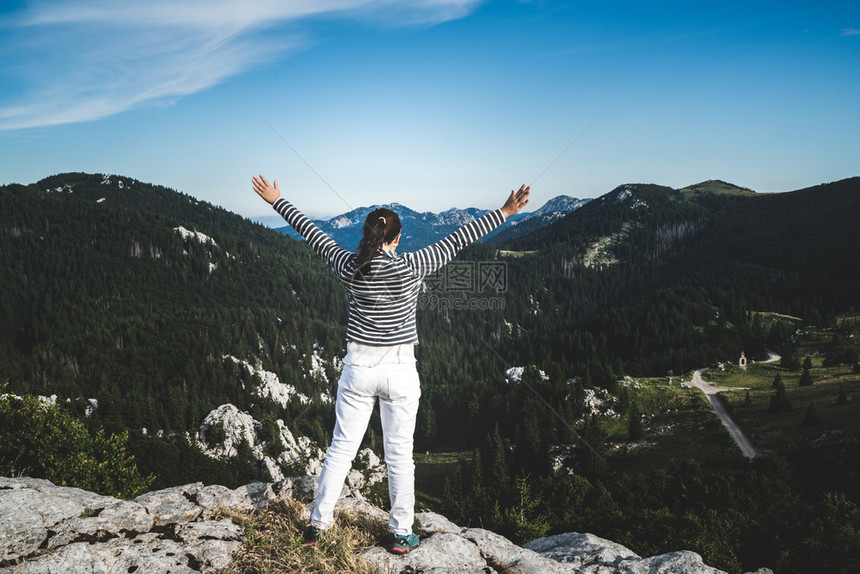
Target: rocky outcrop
{"x": 50, "y": 529}
{"x": 449, "y": 549}
{"x": 235, "y": 427}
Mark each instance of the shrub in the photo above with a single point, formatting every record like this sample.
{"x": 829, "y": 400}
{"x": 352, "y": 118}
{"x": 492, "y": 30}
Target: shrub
{"x": 779, "y": 401}
{"x": 811, "y": 417}
{"x": 45, "y": 441}
{"x": 805, "y": 378}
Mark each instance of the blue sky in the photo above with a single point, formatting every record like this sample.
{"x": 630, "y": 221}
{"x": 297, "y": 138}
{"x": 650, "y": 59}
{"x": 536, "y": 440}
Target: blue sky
{"x": 430, "y": 103}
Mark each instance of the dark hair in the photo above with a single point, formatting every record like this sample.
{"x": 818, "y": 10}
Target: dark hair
{"x": 380, "y": 227}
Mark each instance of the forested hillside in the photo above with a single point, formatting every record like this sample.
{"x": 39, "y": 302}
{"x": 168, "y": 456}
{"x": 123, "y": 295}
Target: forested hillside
{"x": 107, "y": 294}
{"x": 144, "y": 299}
{"x": 795, "y": 252}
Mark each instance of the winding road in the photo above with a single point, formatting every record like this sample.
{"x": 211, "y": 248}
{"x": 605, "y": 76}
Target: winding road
{"x": 711, "y": 392}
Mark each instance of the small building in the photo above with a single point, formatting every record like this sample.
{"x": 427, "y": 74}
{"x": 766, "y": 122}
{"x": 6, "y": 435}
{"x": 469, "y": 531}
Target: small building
{"x": 742, "y": 362}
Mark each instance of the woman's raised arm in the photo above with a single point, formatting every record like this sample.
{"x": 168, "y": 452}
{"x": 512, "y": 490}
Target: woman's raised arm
{"x": 516, "y": 201}
{"x": 270, "y": 193}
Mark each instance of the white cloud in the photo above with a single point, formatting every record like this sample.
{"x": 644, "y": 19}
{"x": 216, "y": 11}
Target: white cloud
{"x": 81, "y": 60}
{"x": 850, "y": 32}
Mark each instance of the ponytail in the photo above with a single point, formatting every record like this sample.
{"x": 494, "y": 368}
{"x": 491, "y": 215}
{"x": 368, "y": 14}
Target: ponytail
{"x": 380, "y": 227}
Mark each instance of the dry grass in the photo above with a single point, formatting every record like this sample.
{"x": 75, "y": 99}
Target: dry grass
{"x": 273, "y": 542}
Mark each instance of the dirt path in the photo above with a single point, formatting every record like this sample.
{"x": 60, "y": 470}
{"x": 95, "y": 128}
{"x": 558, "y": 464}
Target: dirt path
{"x": 711, "y": 392}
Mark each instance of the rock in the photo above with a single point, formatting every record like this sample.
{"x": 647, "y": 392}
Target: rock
{"x": 31, "y": 509}
{"x": 45, "y": 528}
{"x": 164, "y": 552}
{"x": 472, "y": 550}
{"x": 224, "y": 430}
{"x": 430, "y": 523}
{"x": 591, "y": 554}
{"x": 300, "y": 488}
{"x": 683, "y": 561}
{"x": 173, "y": 504}
{"x": 360, "y": 508}
{"x": 238, "y": 427}
{"x": 580, "y": 550}
{"x": 122, "y": 516}
{"x": 50, "y": 529}
{"x": 443, "y": 553}
{"x": 505, "y": 556}
{"x": 367, "y": 470}
{"x": 91, "y": 408}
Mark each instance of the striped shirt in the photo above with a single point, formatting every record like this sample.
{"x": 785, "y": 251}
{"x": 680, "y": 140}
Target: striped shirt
{"x": 382, "y": 304}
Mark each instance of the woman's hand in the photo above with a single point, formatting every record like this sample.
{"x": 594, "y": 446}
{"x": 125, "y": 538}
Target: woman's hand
{"x": 270, "y": 193}
{"x": 516, "y": 201}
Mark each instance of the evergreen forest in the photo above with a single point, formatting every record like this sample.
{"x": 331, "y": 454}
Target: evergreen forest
{"x": 552, "y": 365}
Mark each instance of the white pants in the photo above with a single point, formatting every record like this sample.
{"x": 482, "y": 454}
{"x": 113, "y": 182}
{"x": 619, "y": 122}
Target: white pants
{"x": 369, "y": 372}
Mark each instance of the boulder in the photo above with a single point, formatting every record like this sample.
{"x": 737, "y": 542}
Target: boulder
{"x": 505, "y": 556}
{"x": 442, "y": 553}
{"x": 581, "y": 550}
{"x": 430, "y": 523}
{"x": 589, "y": 554}
{"x": 46, "y": 528}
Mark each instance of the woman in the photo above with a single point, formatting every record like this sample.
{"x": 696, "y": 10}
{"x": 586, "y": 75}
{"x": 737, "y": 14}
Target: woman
{"x": 383, "y": 290}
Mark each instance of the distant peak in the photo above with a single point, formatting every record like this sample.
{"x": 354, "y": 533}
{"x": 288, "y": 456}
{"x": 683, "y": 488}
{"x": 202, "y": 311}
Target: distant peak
{"x": 717, "y": 186}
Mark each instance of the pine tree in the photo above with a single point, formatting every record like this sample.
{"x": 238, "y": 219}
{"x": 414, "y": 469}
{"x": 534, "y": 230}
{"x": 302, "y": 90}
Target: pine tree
{"x": 526, "y": 515}
{"x": 426, "y": 423}
{"x": 842, "y": 399}
{"x": 806, "y": 377}
{"x": 635, "y": 431}
{"x": 780, "y": 402}
{"x": 811, "y": 416}
{"x": 777, "y": 380}
{"x": 496, "y": 462}
{"x": 789, "y": 358}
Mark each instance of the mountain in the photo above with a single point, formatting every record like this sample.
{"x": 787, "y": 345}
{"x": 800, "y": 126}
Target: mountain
{"x": 160, "y": 287}
{"x": 152, "y": 303}
{"x": 421, "y": 229}
{"x": 187, "y": 324}
{"x": 550, "y": 212}
{"x": 780, "y": 248}
{"x": 650, "y": 279}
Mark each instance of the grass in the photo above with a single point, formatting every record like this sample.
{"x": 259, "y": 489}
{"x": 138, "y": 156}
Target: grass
{"x": 273, "y": 542}
{"x": 509, "y": 253}
{"x": 678, "y": 425}
{"x": 431, "y": 468}
{"x": 756, "y": 375}
{"x": 715, "y": 186}
{"x": 774, "y": 317}
{"x": 834, "y": 398}
{"x": 782, "y": 431}
{"x": 853, "y": 318}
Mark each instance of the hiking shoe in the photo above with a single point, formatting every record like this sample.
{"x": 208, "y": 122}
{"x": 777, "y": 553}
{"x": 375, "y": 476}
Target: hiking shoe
{"x": 311, "y": 535}
{"x": 403, "y": 543}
